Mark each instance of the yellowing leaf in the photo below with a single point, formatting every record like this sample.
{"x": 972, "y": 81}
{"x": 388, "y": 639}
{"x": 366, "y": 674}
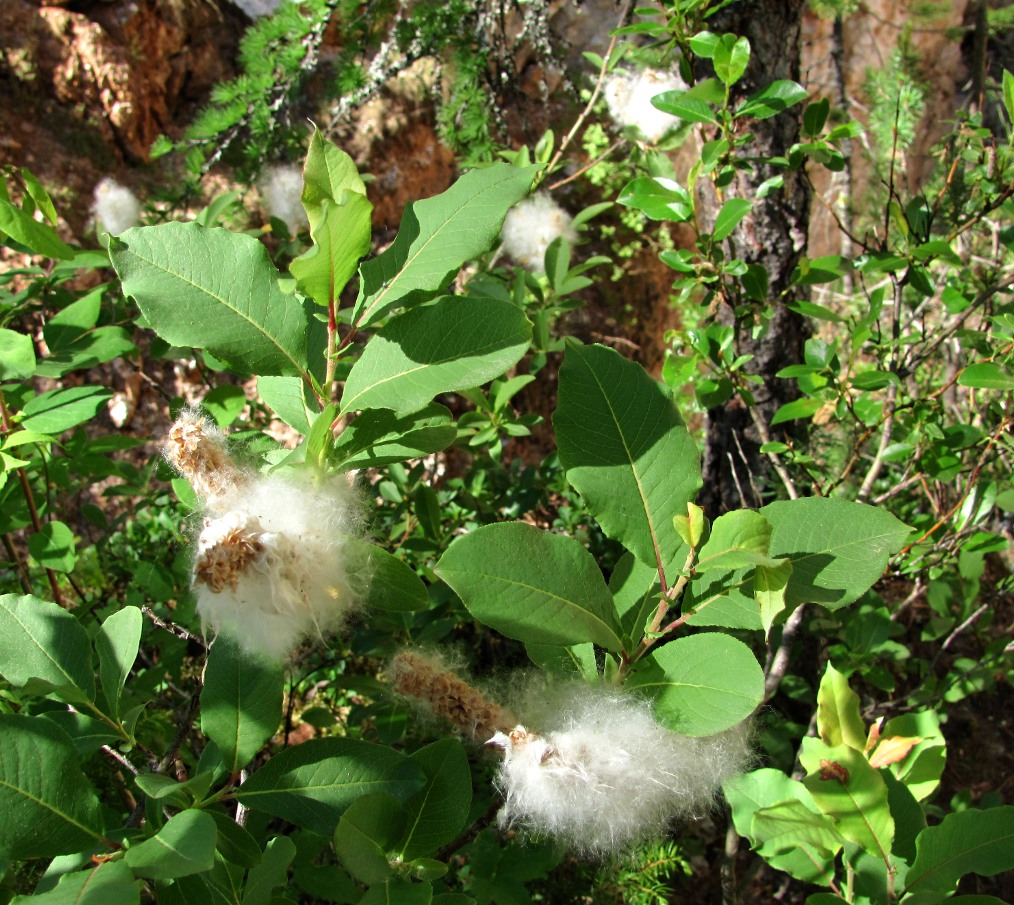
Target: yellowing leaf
{"x": 892, "y": 750}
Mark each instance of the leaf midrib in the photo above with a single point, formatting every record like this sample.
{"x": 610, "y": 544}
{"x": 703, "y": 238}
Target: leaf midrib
{"x": 226, "y": 304}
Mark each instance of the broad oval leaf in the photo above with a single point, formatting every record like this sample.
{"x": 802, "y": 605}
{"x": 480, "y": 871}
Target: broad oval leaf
{"x": 48, "y": 804}
{"x": 702, "y": 684}
{"x": 965, "y": 842}
{"x": 850, "y": 792}
{"x": 117, "y": 643}
{"x": 45, "y": 648}
{"x": 838, "y": 548}
{"x": 658, "y": 198}
{"x": 105, "y": 883}
{"x": 241, "y": 703}
{"x": 340, "y": 238}
{"x": 382, "y": 437}
{"x": 394, "y": 585}
{"x": 454, "y": 344}
{"x": 626, "y": 450}
{"x": 986, "y": 375}
{"x": 437, "y": 813}
{"x": 17, "y": 355}
{"x": 60, "y": 410}
{"x": 184, "y": 846}
{"x": 310, "y": 785}
{"x": 216, "y": 290}
{"x": 531, "y": 585}
{"x": 436, "y": 237}
{"x": 839, "y": 720}
{"x": 329, "y": 174}
{"x": 53, "y": 547}
{"x": 734, "y": 210}
{"x": 772, "y": 99}
{"x": 39, "y": 237}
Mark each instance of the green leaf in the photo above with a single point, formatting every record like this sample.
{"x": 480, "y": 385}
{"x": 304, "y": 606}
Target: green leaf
{"x": 365, "y": 832}
{"x": 734, "y": 210}
{"x": 216, "y": 290}
{"x": 688, "y": 108}
{"x": 235, "y": 842}
{"x": 815, "y": 116}
{"x": 38, "y": 194}
{"x": 704, "y": 44}
{"x": 850, "y": 792}
{"x": 798, "y": 408}
{"x": 225, "y": 403}
{"x": 117, "y": 642}
{"x": 839, "y": 721}
{"x": 921, "y": 770}
{"x": 438, "y": 812}
{"x": 702, "y": 684}
{"x": 531, "y": 585}
{"x": 731, "y": 56}
{"x": 790, "y": 824}
{"x": 60, "y": 410}
{"x": 658, "y": 199}
{"x": 394, "y": 585}
{"x": 626, "y": 450}
{"x": 184, "y": 846}
{"x": 48, "y": 804}
{"x": 241, "y": 703}
{"x": 17, "y": 355}
{"x": 311, "y": 784}
{"x": 436, "y": 237}
{"x": 45, "y": 649}
{"x": 271, "y": 873}
{"x": 456, "y": 343}
{"x": 53, "y": 547}
{"x": 770, "y": 583}
{"x": 329, "y": 174}
{"x": 340, "y": 239}
{"x": 38, "y": 237}
{"x": 738, "y": 539}
{"x": 106, "y": 883}
{"x": 966, "y": 842}
{"x": 986, "y": 375}
{"x": 380, "y": 437}
{"x": 773, "y": 99}
{"x": 838, "y": 549}
{"x": 400, "y": 892}
{"x": 88, "y": 349}
{"x": 766, "y": 791}
{"x": 286, "y": 397}
{"x": 1008, "y": 94}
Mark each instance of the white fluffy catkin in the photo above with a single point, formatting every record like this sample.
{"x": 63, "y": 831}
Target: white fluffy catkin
{"x": 282, "y": 189}
{"x": 607, "y": 776}
{"x": 273, "y": 564}
{"x": 531, "y": 226}
{"x": 628, "y": 97}
{"x": 115, "y": 207}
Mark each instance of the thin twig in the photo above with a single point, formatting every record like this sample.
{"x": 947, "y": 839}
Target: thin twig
{"x": 172, "y": 627}
{"x": 779, "y": 663}
{"x": 121, "y": 760}
{"x": 596, "y": 91}
{"x": 890, "y": 403}
{"x": 773, "y": 458}
{"x": 587, "y": 166}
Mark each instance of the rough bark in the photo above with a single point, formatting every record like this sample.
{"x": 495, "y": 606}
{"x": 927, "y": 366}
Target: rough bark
{"x": 774, "y": 236}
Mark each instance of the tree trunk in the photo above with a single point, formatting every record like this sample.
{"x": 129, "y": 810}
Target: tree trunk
{"x": 736, "y": 473}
